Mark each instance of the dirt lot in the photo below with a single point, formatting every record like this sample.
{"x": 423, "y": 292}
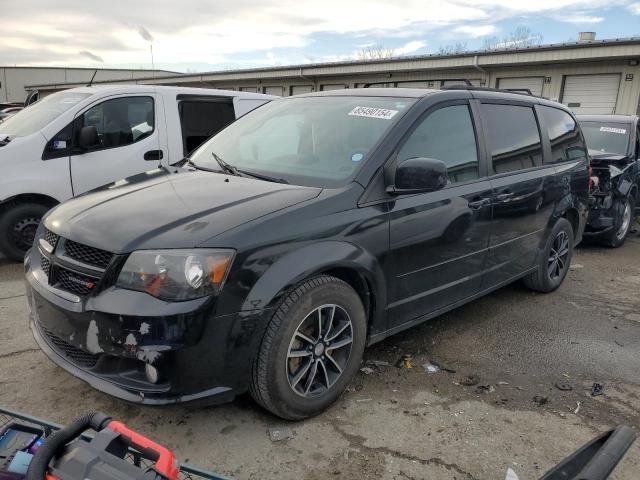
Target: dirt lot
{"x": 400, "y": 423}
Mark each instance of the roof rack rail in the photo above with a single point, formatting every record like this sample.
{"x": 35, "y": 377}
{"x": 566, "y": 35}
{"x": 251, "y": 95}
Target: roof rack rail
{"x": 519, "y": 91}
{"x": 464, "y": 83}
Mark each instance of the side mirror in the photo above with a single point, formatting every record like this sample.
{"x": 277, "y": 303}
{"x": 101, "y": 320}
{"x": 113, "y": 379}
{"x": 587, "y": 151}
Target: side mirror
{"x": 88, "y": 137}
{"x": 418, "y": 174}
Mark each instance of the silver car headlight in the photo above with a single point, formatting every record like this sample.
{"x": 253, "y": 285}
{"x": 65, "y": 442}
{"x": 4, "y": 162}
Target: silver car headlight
{"x": 176, "y": 275}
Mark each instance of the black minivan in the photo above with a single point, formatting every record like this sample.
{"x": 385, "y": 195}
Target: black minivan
{"x": 304, "y": 231}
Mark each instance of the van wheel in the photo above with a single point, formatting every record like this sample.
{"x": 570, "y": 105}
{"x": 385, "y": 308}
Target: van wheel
{"x": 553, "y": 260}
{"x": 311, "y": 350}
{"x": 617, "y": 236}
{"x": 18, "y": 225}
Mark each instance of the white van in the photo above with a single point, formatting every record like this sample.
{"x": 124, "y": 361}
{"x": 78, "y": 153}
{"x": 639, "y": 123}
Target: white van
{"x": 73, "y": 141}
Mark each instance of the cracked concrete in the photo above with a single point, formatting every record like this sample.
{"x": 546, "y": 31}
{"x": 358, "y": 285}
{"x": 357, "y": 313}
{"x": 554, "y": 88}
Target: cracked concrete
{"x": 406, "y": 424}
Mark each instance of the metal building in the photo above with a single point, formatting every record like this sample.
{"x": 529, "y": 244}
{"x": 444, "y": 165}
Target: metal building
{"x": 589, "y": 76}
{"x": 15, "y": 81}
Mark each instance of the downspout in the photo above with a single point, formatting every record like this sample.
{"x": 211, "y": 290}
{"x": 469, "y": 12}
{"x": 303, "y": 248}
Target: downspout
{"x": 480, "y": 69}
{"x": 315, "y": 87}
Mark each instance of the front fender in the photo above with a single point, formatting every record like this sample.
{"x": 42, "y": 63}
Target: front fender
{"x": 304, "y": 262}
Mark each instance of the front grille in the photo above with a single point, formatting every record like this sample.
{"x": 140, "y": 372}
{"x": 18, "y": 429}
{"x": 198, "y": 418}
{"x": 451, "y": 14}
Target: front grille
{"x": 45, "y": 264}
{"x": 51, "y": 238}
{"x": 86, "y": 254}
{"x": 74, "y": 282}
{"x": 73, "y": 354}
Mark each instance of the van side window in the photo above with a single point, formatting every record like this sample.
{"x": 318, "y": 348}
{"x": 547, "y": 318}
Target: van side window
{"x": 566, "y": 141}
{"x": 121, "y": 121}
{"x": 513, "y": 137}
{"x": 200, "y": 120}
{"x": 448, "y": 135}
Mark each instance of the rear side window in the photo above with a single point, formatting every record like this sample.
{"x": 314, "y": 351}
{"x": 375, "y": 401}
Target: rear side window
{"x": 121, "y": 121}
{"x": 566, "y": 141}
{"x": 202, "y": 119}
{"x": 448, "y": 135}
{"x": 513, "y": 137}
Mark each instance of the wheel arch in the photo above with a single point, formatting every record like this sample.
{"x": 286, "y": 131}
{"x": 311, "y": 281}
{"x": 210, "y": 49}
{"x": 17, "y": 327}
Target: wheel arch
{"x": 343, "y": 260}
{"x": 39, "y": 198}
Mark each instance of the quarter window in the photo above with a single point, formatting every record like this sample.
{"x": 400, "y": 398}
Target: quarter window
{"x": 448, "y": 135}
{"x": 121, "y": 121}
{"x": 566, "y": 141}
{"x": 513, "y": 137}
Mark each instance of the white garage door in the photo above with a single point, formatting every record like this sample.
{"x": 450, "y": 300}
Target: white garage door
{"x": 591, "y": 94}
{"x": 299, "y": 89}
{"x": 533, "y": 84}
{"x": 332, "y": 86}
{"x": 274, "y": 91}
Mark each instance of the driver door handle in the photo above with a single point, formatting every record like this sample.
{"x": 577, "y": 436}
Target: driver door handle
{"x": 476, "y": 204}
{"x": 503, "y": 197}
{"x": 153, "y": 155}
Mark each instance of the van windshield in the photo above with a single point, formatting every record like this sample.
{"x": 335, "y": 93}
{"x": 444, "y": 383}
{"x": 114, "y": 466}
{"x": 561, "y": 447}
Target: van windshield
{"x": 40, "y": 114}
{"x": 314, "y": 141}
{"x": 606, "y": 137}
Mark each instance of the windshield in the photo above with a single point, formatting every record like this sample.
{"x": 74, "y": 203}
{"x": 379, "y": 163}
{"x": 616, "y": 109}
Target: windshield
{"x": 313, "y": 141}
{"x": 40, "y": 114}
{"x": 606, "y": 137}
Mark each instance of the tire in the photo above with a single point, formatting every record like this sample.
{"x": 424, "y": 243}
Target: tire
{"x": 617, "y": 236}
{"x": 18, "y": 224}
{"x": 283, "y": 355}
{"x": 551, "y": 273}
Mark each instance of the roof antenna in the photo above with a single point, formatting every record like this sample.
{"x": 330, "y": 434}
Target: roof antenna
{"x": 92, "y": 77}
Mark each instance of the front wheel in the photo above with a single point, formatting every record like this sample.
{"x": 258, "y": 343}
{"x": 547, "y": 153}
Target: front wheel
{"x": 18, "y": 225}
{"x": 311, "y": 350}
{"x": 553, "y": 260}
{"x": 617, "y": 236}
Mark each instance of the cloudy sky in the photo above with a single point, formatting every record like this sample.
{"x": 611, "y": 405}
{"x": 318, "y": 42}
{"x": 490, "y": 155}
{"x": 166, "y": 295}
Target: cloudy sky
{"x": 201, "y": 35}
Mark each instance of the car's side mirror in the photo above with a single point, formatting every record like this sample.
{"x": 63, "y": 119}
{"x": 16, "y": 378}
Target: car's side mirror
{"x": 88, "y": 137}
{"x": 416, "y": 175}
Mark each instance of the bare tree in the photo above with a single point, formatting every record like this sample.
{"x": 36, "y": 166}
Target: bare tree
{"x": 375, "y": 52}
{"x": 453, "y": 48}
{"x": 520, "y": 37}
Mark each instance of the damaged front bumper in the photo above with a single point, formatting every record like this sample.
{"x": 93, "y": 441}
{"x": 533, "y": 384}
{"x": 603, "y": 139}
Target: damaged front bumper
{"x": 109, "y": 339}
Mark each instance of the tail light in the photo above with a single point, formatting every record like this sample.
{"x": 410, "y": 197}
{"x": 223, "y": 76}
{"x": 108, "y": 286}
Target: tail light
{"x": 590, "y": 178}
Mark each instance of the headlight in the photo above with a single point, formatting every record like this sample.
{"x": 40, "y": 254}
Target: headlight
{"x": 176, "y": 274}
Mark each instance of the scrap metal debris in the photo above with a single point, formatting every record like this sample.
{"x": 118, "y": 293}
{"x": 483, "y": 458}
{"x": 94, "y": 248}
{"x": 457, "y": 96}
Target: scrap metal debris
{"x": 280, "y": 434}
{"x": 577, "y": 408}
{"x": 442, "y": 367}
{"x": 367, "y": 370}
{"x": 597, "y": 389}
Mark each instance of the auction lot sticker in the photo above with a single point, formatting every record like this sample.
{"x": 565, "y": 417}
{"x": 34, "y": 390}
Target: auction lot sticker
{"x": 372, "y": 112}
{"x": 613, "y": 130}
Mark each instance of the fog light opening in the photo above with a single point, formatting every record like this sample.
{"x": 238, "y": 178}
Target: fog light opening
{"x": 151, "y": 373}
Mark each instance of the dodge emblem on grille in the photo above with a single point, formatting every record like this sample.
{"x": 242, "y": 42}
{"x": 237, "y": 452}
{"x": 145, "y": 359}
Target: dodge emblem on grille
{"x": 84, "y": 283}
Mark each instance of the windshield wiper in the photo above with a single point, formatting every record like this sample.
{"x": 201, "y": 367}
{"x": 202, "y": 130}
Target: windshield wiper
{"x": 227, "y": 168}
{"x": 261, "y": 176}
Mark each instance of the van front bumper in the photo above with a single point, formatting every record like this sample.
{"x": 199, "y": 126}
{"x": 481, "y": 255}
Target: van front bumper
{"x": 198, "y": 356}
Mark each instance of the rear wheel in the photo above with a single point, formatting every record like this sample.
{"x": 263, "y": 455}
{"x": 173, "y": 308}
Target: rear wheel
{"x": 553, "y": 260}
{"x": 18, "y": 225}
{"x": 617, "y": 236}
{"x": 311, "y": 350}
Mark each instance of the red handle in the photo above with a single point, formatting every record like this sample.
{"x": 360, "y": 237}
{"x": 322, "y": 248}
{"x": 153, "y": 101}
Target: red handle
{"x": 165, "y": 461}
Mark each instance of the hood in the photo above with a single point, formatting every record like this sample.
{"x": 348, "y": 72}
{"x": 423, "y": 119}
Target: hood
{"x": 169, "y": 210}
{"x": 599, "y": 156}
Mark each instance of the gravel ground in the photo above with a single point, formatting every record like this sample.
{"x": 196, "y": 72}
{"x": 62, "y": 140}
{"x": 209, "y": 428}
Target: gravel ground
{"x": 496, "y": 406}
